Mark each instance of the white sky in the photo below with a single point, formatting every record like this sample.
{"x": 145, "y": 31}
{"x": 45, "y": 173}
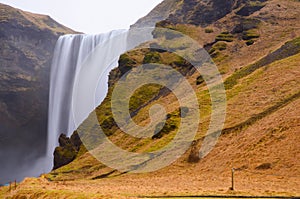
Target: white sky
{"x": 89, "y": 16}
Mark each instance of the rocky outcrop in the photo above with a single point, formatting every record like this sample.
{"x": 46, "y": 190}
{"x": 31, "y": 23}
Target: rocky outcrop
{"x": 203, "y": 13}
{"x": 159, "y": 13}
{"x": 67, "y": 150}
{"x": 250, "y": 7}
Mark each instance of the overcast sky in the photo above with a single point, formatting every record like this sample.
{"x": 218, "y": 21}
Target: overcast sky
{"x": 89, "y": 16}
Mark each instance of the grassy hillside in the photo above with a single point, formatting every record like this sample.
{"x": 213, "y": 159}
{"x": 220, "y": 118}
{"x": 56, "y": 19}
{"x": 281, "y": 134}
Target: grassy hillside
{"x": 255, "y": 45}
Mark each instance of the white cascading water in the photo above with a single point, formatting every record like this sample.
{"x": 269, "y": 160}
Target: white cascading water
{"x": 69, "y": 62}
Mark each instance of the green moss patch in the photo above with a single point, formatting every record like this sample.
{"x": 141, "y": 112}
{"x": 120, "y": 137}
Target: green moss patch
{"x": 171, "y": 124}
{"x": 250, "y": 34}
{"x": 249, "y": 42}
{"x": 151, "y": 57}
{"x": 125, "y": 63}
{"x": 143, "y": 95}
{"x": 219, "y": 46}
{"x": 225, "y": 36}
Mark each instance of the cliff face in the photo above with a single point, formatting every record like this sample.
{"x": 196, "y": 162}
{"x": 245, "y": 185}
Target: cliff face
{"x": 27, "y": 42}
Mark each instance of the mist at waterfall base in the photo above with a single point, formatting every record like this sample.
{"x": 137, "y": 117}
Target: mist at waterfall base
{"x": 23, "y": 135}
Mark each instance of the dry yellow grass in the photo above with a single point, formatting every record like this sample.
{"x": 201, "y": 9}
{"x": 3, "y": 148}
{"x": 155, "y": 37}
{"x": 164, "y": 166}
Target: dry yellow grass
{"x": 271, "y": 140}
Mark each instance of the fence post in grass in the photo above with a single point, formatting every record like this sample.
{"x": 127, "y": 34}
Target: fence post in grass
{"x": 232, "y": 179}
{"x": 15, "y": 184}
{"x": 9, "y": 186}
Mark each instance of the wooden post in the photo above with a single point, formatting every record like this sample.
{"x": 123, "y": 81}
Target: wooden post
{"x": 232, "y": 179}
{"x": 9, "y": 186}
{"x": 15, "y": 184}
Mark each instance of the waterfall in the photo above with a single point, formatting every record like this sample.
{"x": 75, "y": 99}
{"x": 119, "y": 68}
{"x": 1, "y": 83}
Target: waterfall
{"x": 72, "y": 59}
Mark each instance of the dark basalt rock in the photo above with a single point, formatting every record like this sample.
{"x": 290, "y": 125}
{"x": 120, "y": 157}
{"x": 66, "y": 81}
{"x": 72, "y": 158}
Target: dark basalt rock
{"x": 67, "y": 150}
{"x": 251, "y": 7}
{"x": 202, "y": 13}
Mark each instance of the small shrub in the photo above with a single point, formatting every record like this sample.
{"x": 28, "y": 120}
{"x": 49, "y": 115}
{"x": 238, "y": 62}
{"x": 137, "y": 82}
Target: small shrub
{"x": 170, "y": 125}
{"x": 194, "y": 154}
{"x": 208, "y": 30}
{"x": 164, "y": 128}
{"x": 250, "y": 34}
{"x": 225, "y": 36}
{"x": 151, "y": 57}
{"x": 199, "y": 80}
{"x": 219, "y": 46}
{"x": 249, "y": 42}
{"x": 225, "y": 32}
{"x": 211, "y": 51}
{"x": 264, "y": 166}
{"x": 107, "y": 125}
{"x": 215, "y": 54}
{"x": 180, "y": 62}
